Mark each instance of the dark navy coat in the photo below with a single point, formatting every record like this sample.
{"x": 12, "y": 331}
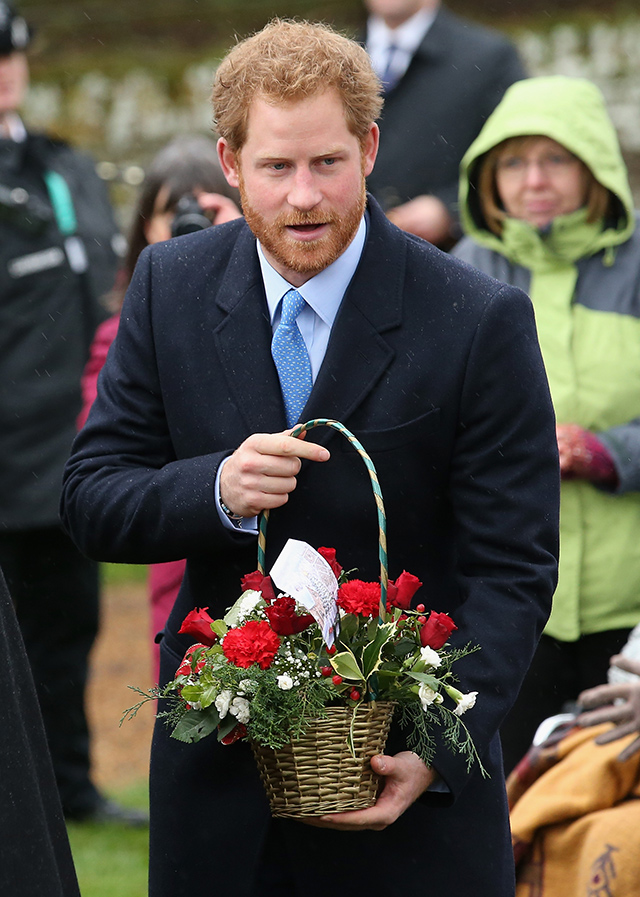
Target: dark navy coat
{"x": 436, "y": 368}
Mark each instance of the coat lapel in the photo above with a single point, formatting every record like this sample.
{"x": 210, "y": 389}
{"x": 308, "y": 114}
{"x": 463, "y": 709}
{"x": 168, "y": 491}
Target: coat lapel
{"x": 243, "y": 341}
{"x": 358, "y": 354}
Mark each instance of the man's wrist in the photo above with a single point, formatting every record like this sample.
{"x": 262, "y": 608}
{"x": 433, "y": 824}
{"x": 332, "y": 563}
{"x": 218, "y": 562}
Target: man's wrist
{"x": 236, "y": 519}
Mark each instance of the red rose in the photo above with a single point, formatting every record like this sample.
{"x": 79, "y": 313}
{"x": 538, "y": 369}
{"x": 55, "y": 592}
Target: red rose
{"x": 254, "y": 642}
{"x": 259, "y": 583}
{"x": 403, "y": 589}
{"x": 358, "y": 597}
{"x": 329, "y": 554}
{"x": 284, "y": 619}
{"x": 235, "y": 734}
{"x": 198, "y": 624}
{"x": 186, "y": 667}
{"x": 436, "y": 630}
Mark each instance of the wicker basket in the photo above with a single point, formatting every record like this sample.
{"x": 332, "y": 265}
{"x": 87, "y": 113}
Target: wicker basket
{"x": 318, "y": 774}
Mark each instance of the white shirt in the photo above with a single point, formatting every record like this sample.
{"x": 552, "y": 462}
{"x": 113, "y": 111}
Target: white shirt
{"x": 11, "y": 127}
{"x": 323, "y": 294}
{"x": 406, "y": 38}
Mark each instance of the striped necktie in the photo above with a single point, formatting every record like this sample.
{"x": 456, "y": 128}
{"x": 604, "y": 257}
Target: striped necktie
{"x": 291, "y": 358}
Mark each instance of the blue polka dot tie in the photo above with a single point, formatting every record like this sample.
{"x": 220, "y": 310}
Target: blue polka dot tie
{"x": 291, "y": 358}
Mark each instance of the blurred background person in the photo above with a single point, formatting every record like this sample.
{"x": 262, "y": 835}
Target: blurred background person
{"x": 57, "y": 258}
{"x": 546, "y": 203}
{"x": 184, "y": 190}
{"x": 442, "y": 77}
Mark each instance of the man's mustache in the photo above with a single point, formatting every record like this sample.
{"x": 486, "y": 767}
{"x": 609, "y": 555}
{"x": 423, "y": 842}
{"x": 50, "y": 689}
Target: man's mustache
{"x": 302, "y": 218}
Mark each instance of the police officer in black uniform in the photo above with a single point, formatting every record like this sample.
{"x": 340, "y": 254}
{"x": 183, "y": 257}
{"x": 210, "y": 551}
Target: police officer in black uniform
{"x": 57, "y": 259}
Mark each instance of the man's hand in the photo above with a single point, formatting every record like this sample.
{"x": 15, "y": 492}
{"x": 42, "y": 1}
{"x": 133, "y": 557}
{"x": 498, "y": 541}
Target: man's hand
{"x": 426, "y": 217}
{"x": 407, "y": 777}
{"x": 625, "y": 715}
{"x": 262, "y": 471}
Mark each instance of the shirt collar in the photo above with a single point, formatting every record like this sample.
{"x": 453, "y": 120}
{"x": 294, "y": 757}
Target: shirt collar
{"x": 324, "y": 291}
{"x": 13, "y": 129}
{"x": 406, "y": 37}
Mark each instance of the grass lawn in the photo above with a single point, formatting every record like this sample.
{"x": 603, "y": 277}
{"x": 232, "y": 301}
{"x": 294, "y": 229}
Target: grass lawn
{"x": 118, "y": 574}
{"x": 111, "y": 860}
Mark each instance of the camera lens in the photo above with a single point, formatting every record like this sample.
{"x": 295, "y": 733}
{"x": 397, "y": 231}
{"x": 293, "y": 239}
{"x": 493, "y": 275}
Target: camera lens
{"x": 189, "y": 217}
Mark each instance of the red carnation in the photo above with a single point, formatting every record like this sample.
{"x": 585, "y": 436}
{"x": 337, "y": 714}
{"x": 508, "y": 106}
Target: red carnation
{"x": 284, "y": 619}
{"x": 329, "y": 554}
{"x": 186, "y": 667}
{"x": 436, "y": 630}
{"x": 259, "y": 583}
{"x": 254, "y": 642}
{"x": 403, "y": 589}
{"x": 358, "y": 597}
{"x": 198, "y": 624}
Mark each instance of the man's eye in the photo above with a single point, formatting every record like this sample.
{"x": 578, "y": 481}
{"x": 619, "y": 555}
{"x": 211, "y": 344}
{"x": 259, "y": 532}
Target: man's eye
{"x": 330, "y": 161}
{"x": 278, "y": 166}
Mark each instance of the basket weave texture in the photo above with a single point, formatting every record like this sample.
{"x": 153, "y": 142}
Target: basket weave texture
{"x": 317, "y": 773}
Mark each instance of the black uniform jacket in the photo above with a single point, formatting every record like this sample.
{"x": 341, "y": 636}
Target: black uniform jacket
{"x": 49, "y": 310}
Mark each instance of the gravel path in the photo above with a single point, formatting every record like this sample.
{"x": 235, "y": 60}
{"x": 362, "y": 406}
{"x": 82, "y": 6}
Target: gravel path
{"x": 121, "y": 657}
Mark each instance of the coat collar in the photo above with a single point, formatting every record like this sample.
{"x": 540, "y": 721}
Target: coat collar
{"x": 357, "y": 354}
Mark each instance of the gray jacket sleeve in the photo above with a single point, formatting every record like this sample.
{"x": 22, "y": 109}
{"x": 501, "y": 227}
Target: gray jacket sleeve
{"x": 623, "y": 442}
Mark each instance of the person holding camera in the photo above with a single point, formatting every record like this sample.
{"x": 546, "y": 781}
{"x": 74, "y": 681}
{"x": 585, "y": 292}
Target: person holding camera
{"x": 57, "y": 258}
{"x": 184, "y": 191}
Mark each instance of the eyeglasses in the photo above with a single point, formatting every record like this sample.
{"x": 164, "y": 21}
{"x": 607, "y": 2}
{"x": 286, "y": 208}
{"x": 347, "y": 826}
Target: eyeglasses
{"x": 550, "y": 164}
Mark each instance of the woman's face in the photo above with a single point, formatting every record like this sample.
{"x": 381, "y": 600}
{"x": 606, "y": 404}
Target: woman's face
{"x": 158, "y": 227}
{"x": 540, "y": 180}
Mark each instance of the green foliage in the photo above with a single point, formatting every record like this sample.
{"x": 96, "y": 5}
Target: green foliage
{"x": 196, "y": 724}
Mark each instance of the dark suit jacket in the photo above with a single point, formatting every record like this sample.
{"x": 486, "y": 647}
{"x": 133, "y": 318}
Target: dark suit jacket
{"x": 436, "y": 368}
{"x": 455, "y": 80}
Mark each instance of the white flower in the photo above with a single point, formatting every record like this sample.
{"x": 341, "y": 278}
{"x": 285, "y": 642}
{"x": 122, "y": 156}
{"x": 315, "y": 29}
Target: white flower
{"x": 430, "y": 657}
{"x": 285, "y": 682}
{"x": 240, "y": 709}
{"x": 223, "y": 702}
{"x": 195, "y": 705}
{"x": 246, "y": 686}
{"x": 466, "y": 702}
{"x": 248, "y": 602}
{"x": 428, "y": 696}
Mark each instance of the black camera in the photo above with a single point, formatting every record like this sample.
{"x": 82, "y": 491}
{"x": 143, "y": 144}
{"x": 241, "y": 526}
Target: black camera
{"x": 189, "y": 216}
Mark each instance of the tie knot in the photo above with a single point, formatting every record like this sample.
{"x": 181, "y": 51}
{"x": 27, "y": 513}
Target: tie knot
{"x": 292, "y": 305}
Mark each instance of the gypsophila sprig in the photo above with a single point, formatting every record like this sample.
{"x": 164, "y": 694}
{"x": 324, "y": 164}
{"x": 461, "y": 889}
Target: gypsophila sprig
{"x": 270, "y": 666}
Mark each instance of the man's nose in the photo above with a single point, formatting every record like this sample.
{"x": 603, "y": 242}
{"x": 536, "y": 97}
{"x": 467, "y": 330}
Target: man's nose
{"x": 304, "y": 193}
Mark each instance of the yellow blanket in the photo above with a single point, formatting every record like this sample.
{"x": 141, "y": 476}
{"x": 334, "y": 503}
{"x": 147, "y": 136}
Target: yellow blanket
{"x": 576, "y": 827}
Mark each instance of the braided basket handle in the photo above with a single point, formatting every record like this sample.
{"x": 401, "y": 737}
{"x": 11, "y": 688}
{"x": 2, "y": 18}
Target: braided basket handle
{"x": 382, "y": 523}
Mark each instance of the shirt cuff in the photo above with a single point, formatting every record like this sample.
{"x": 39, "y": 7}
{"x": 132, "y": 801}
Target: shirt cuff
{"x": 246, "y": 524}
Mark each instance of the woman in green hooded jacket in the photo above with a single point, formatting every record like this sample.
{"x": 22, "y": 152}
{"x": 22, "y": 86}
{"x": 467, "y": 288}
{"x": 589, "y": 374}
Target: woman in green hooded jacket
{"x": 546, "y": 205}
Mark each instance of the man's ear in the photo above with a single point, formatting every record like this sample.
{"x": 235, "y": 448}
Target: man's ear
{"x": 228, "y": 163}
{"x": 370, "y": 149}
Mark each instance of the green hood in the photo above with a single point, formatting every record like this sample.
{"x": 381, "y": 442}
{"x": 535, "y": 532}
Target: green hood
{"x": 570, "y": 111}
